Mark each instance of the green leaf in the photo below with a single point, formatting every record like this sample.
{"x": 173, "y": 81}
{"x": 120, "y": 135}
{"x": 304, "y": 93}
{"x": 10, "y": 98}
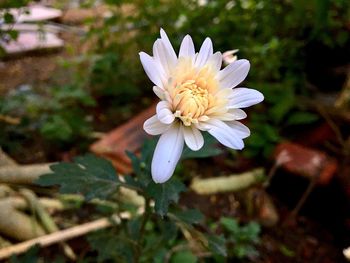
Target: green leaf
{"x": 190, "y": 216}
{"x": 217, "y": 244}
{"x": 89, "y": 175}
{"x": 142, "y": 165}
{"x": 298, "y": 118}
{"x": 134, "y": 226}
{"x": 164, "y": 194}
{"x": 230, "y": 224}
{"x": 209, "y": 149}
{"x": 31, "y": 256}
{"x": 286, "y": 251}
{"x": 185, "y": 256}
{"x": 8, "y": 17}
{"x": 111, "y": 245}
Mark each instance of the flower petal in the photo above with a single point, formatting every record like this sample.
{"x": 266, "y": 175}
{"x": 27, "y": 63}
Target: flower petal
{"x": 154, "y": 127}
{"x": 167, "y": 154}
{"x": 240, "y": 129}
{"x": 193, "y": 138}
{"x": 204, "y": 53}
{"x": 238, "y": 114}
{"x": 170, "y": 50}
{"x": 159, "y": 92}
{"x": 224, "y": 134}
{"x": 187, "y": 47}
{"x": 232, "y": 115}
{"x": 162, "y": 55}
{"x": 164, "y": 113}
{"x": 215, "y": 61}
{"x": 244, "y": 97}
{"x": 234, "y": 73}
{"x": 152, "y": 69}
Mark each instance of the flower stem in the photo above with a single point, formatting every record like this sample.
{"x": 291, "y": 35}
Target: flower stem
{"x": 145, "y": 217}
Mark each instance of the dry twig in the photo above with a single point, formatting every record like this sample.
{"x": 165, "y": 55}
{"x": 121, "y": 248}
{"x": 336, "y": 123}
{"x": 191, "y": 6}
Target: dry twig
{"x": 59, "y": 236}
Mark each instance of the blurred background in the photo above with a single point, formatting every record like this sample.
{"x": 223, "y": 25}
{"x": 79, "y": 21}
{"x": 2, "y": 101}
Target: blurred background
{"x": 70, "y": 73}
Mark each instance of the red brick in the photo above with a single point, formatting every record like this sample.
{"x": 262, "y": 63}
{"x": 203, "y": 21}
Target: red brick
{"x": 307, "y": 162}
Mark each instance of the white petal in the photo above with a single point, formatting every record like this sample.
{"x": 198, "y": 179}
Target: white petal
{"x": 151, "y": 68}
{"x": 244, "y": 97}
{"x": 240, "y": 129}
{"x": 193, "y": 138}
{"x": 159, "y": 92}
{"x": 187, "y": 47}
{"x": 225, "y": 134}
{"x": 238, "y": 114}
{"x": 162, "y": 55}
{"x": 154, "y": 127}
{"x": 204, "y": 53}
{"x": 167, "y": 154}
{"x": 215, "y": 61}
{"x": 164, "y": 113}
{"x": 170, "y": 50}
{"x": 234, "y": 73}
{"x": 232, "y": 115}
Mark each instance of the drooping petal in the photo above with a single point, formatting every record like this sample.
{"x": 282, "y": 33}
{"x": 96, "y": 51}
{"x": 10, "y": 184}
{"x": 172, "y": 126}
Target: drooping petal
{"x": 167, "y": 154}
{"x": 224, "y": 134}
{"x": 152, "y": 69}
{"x": 240, "y": 129}
{"x": 205, "y": 52}
{"x": 164, "y": 113}
{"x": 187, "y": 47}
{"x": 154, "y": 127}
{"x": 234, "y": 73}
{"x": 170, "y": 50}
{"x": 193, "y": 138}
{"x": 244, "y": 97}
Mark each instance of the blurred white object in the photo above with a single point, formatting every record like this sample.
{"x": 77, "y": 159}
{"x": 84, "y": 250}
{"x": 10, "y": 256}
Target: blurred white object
{"x": 229, "y": 56}
{"x": 30, "y": 41}
{"x": 35, "y": 13}
{"x": 346, "y": 253}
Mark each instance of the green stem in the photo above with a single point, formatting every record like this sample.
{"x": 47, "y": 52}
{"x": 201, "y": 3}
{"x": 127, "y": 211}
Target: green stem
{"x": 145, "y": 217}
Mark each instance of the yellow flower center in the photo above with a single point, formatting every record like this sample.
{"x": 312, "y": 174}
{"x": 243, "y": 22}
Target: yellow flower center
{"x": 192, "y": 92}
{"x": 191, "y": 101}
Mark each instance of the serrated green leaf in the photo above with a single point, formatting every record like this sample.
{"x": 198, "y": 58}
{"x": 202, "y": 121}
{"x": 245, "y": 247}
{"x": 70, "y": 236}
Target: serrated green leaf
{"x": 89, "y": 175}
{"x": 217, "y": 244}
{"x": 164, "y": 194}
{"x": 111, "y": 246}
{"x": 190, "y": 216}
{"x": 142, "y": 165}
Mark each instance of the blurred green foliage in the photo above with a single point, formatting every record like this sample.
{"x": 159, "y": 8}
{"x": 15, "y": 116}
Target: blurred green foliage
{"x": 57, "y": 115}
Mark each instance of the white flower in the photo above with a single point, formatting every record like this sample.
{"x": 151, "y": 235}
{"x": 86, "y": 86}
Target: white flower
{"x": 195, "y": 95}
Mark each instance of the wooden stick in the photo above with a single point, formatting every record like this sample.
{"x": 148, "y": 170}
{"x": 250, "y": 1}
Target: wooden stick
{"x": 229, "y": 183}
{"x": 5, "y": 159}
{"x": 23, "y": 174}
{"x": 59, "y": 236}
